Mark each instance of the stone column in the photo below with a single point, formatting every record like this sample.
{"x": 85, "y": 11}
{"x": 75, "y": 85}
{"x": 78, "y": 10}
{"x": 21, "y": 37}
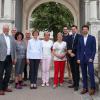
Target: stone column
{"x": 13, "y": 9}
{"x": 7, "y": 9}
{"x": 0, "y": 8}
{"x": 18, "y": 14}
{"x": 82, "y": 13}
{"x": 99, "y": 55}
{"x": 93, "y": 10}
{"x": 98, "y": 9}
{"x": 87, "y": 12}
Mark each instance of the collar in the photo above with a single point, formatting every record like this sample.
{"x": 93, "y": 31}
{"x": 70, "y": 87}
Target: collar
{"x": 86, "y": 35}
{"x": 5, "y": 35}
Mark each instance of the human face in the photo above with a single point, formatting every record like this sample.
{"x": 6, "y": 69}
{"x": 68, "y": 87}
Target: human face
{"x": 19, "y": 37}
{"x": 65, "y": 30}
{"x": 6, "y": 29}
{"x": 27, "y": 34}
{"x": 74, "y": 30}
{"x": 59, "y": 36}
{"x": 85, "y": 31}
{"x": 13, "y": 31}
{"x": 47, "y": 36}
{"x": 35, "y": 35}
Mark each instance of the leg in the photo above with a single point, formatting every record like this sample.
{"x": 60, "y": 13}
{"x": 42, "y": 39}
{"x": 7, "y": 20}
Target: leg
{"x": 84, "y": 75}
{"x": 22, "y": 66}
{"x": 69, "y": 70}
{"x": 48, "y": 62}
{"x": 91, "y": 75}
{"x": 72, "y": 66}
{"x": 43, "y": 70}
{"x": 62, "y": 67}
{"x": 8, "y": 69}
{"x": 25, "y": 72}
{"x": 31, "y": 71}
{"x": 56, "y": 71}
{"x": 36, "y": 66}
{"x": 1, "y": 74}
{"x": 77, "y": 74}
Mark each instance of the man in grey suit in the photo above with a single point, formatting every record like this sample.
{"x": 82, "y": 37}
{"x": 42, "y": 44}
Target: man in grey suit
{"x": 7, "y": 58}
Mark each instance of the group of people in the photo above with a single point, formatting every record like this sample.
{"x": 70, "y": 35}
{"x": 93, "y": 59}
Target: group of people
{"x": 72, "y": 50}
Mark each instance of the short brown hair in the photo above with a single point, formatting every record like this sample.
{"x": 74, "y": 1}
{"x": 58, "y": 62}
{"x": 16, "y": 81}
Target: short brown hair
{"x": 85, "y": 26}
{"x": 74, "y": 26}
{"x": 35, "y": 31}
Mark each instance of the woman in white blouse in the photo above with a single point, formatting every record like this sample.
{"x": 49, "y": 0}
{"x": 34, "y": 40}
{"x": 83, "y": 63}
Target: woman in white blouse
{"x": 46, "y": 60}
{"x": 34, "y": 54}
{"x": 59, "y": 52}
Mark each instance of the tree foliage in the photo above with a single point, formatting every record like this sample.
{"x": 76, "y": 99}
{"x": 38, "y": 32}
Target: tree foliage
{"x": 51, "y": 16}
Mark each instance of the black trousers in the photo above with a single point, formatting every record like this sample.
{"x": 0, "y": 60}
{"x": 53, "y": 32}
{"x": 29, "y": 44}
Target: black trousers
{"x": 75, "y": 71}
{"x": 5, "y": 72}
{"x": 25, "y": 72}
{"x": 34, "y": 65}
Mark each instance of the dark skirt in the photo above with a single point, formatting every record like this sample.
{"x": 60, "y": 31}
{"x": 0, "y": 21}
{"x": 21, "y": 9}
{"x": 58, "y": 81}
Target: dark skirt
{"x": 19, "y": 67}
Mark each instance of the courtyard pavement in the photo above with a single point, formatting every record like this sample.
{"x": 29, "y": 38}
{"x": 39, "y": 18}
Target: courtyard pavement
{"x": 47, "y": 93}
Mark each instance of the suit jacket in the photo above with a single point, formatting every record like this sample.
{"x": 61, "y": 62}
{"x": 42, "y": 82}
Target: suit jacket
{"x": 89, "y": 50}
{"x": 3, "y": 47}
{"x": 72, "y": 45}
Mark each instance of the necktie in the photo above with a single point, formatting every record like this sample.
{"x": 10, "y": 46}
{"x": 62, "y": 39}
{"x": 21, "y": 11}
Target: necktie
{"x": 73, "y": 38}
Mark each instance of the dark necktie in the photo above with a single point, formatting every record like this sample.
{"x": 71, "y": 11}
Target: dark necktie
{"x": 73, "y": 38}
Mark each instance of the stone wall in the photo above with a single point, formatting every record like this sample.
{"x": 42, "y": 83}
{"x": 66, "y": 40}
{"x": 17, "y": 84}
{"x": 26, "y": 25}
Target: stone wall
{"x": 30, "y": 5}
{"x": 95, "y": 30}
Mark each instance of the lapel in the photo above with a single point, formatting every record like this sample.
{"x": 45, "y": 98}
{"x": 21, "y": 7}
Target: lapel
{"x": 10, "y": 41}
{"x": 87, "y": 40}
{"x": 82, "y": 40}
{"x": 4, "y": 39}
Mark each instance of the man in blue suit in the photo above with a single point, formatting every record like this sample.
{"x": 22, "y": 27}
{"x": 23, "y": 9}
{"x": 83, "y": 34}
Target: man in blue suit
{"x": 85, "y": 57}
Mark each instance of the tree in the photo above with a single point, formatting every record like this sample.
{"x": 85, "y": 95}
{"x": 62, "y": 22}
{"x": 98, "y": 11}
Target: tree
{"x": 51, "y": 16}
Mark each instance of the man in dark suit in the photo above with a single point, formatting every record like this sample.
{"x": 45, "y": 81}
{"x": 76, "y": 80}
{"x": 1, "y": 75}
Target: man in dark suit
{"x": 85, "y": 55}
{"x": 72, "y": 50}
{"x": 7, "y": 57}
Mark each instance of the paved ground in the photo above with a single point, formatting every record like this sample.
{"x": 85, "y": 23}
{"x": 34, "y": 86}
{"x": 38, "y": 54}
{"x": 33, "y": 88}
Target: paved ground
{"x": 47, "y": 93}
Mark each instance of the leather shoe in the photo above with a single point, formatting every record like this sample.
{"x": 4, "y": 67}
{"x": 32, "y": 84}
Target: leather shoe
{"x": 71, "y": 86}
{"x": 84, "y": 91}
{"x": 91, "y": 91}
{"x": 2, "y": 92}
{"x": 8, "y": 90}
{"x": 75, "y": 88}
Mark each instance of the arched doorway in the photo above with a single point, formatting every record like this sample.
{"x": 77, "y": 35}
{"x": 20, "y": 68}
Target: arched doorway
{"x": 51, "y": 16}
{"x": 30, "y": 5}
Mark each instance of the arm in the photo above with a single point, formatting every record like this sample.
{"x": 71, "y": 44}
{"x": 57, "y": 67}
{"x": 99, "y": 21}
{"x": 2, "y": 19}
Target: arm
{"x": 93, "y": 48}
{"x": 78, "y": 50}
{"x": 28, "y": 52}
{"x": 41, "y": 49}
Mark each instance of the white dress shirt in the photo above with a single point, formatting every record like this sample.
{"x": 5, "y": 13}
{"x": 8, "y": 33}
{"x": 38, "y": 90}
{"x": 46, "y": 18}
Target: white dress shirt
{"x": 34, "y": 49}
{"x": 7, "y": 39}
{"x": 85, "y": 39}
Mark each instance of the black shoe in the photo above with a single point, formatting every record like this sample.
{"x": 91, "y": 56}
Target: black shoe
{"x": 76, "y": 88}
{"x": 25, "y": 78}
{"x": 71, "y": 86}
